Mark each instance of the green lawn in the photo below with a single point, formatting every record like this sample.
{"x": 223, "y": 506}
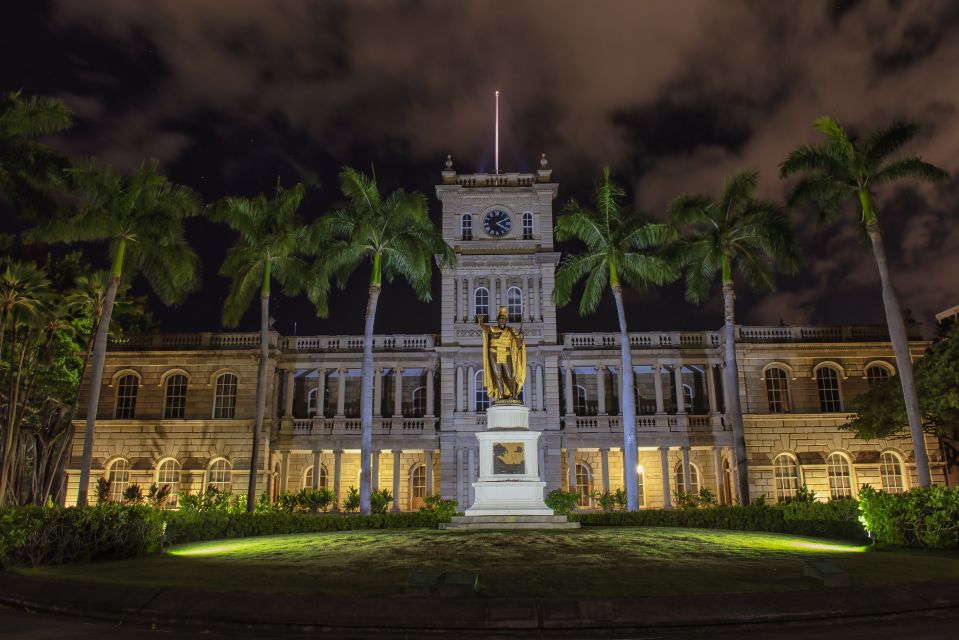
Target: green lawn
{"x": 612, "y": 561}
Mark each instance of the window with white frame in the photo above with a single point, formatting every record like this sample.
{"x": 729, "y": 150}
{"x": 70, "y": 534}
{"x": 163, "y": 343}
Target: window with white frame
{"x": 688, "y": 397}
{"x": 174, "y": 404}
{"x": 127, "y": 387}
{"x": 220, "y": 475}
{"x": 119, "y": 476}
{"x": 168, "y": 473}
{"x": 890, "y": 473}
{"x": 481, "y": 398}
{"x": 419, "y": 402}
{"x": 308, "y": 477}
{"x": 580, "y": 406}
{"x": 681, "y": 480}
{"x": 466, "y": 226}
{"x": 514, "y": 304}
{"x": 641, "y": 483}
{"x": 786, "y": 473}
{"x": 584, "y": 484}
{"x": 481, "y": 301}
{"x": 840, "y": 476}
{"x": 827, "y": 381}
{"x": 527, "y": 226}
{"x": 417, "y": 487}
{"x": 876, "y": 374}
{"x": 224, "y": 399}
{"x": 777, "y": 390}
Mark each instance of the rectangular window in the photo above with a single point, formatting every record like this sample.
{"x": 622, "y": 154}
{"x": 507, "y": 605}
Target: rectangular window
{"x": 175, "y": 405}
{"x": 127, "y": 397}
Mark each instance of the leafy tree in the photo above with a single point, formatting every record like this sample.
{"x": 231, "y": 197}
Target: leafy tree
{"x": 395, "y": 236}
{"x": 845, "y": 169}
{"x": 737, "y": 233}
{"x": 620, "y": 248}
{"x": 140, "y": 216}
{"x": 271, "y": 245}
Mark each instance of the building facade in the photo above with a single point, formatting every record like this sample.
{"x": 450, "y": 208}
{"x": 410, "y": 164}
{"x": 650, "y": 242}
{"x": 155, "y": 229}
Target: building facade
{"x": 178, "y": 409}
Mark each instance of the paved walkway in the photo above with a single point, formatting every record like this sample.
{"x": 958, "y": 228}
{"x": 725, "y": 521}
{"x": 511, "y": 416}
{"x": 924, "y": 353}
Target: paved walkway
{"x": 666, "y": 616}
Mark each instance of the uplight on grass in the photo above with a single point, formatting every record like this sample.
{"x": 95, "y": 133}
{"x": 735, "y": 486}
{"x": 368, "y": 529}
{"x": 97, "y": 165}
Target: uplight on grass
{"x": 208, "y": 550}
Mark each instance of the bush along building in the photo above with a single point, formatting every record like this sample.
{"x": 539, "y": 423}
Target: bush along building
{"x": 178, "y": 409}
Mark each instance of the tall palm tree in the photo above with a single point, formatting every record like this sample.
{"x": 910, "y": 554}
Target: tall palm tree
{"x": 621, "y": 248}
{"x": 737, "y": 232}
{"x": 141, "y": 218}
{"x": 270, "y": 246}
{"x": 844, "y": 169}
{"x": 395, "y": 236}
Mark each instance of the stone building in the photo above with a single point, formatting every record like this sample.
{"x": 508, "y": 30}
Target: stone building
{"x": 178, "y": 409}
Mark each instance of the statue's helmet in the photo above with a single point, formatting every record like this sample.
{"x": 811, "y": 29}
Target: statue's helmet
{"x": 502, "y": 315}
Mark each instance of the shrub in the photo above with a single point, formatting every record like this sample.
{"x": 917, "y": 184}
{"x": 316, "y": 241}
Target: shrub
{"x": 920, "y": 517}
{"x": 103, "y": 490}
{"x": 562, "y": 502}
{"x": 352, "y": 502}
{"x": 212, "y": 499}
{"x": 684, "y": 499}
{"x": 314, "y": 500}
{"x": 159, "y": 495}
{"x": 706, "y": 498}
{"x": 380, "y": 501}
{"x": 444, "y": 510}
{"x": 133, "y": 494}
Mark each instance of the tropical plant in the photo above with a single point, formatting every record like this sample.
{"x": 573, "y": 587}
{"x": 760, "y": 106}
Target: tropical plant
{"x": 444, "y": 509}
{"x": 706, "y": 498}
{"x": 270, "y": 246}
{"x": 395, "y": 236}
{"x": 736, "y": 233}
{"x": 133, "y": 494}
{"x": 141, "y": 218}
{"x": 104, "y": 489}
{"x": 621, "y": 248}
{"x": 352, "y": 502}
{"x": 846, "y": 169}
{"x": 562, "y": 502}
{"x": 159, "y": 494}
{"x": 380, "y": 501}
{"x": 315, "y": 500}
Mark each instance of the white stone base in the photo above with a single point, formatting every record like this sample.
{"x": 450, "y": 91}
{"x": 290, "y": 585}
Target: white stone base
{"x": 520, "y": 498}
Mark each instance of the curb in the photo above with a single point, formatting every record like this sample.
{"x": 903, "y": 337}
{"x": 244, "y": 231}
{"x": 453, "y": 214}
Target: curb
{"x": 176, "y": 607}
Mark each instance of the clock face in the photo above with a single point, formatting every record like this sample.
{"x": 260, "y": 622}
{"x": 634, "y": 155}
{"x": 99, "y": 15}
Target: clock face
{"x": 497, "y": 223}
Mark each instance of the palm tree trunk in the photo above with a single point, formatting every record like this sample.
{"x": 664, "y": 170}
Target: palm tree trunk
{"x": 734, "y": 411}
{"x": 9, "y": 439}
{"x": 366, "y": 401}
{"x": 260, "y": 398}
{"x": 96, "y": 376}
{"x": 900, "y": 346}
{"x": 627, "y": 399}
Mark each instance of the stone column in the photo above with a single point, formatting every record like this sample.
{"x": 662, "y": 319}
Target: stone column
{"x": 284, "y": 471}
{"x": 471, "y": 389}
{"x": 542, "y": 462}
{"x": 337, "y": 469}
{"x": 396, "y": 480}
{"x": 604, "y": 453}
{"x": 320, "y": 393}
{"x": 571, "y": 468}
{"x": 718, "y": 464}
{"x": 341, "y": 393}
{"x": 274, "y": 409}
{"x": 316, "y": 469}
{"x": 429, "y": 472}
{"x": 710, "y": 388}
{"x": 377, "y": 392}
{"x": 471, "y": 299}
{"x": 687, "y": 477}
{"x": 398, "y": 392}
{"x": 658, "y": 382}
{"x": 458, "y": 393}
{"x": 527, "y": 390}
{"x": 502, "y": 293}
{"x": 471, "y": 471}
{"x": 375, "y": 470}
{"x": 540, "y": 389}
{"x": 680, "y": 392}
{"x": 288, "y": 409}
{"x": 534, "y": 299}
{"x": 618, "y": 389}
{"x": 429, "y": 393}
{"x": 459, "y": 480}
{"x": 601, "y": 389}
{"x": 568, "y": 380}
{"x": 664, "y": 461}
{"x": 527, "y": 300}
{"x": 458, "y": 311}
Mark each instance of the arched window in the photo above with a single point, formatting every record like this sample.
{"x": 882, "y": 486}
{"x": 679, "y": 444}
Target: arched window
{"x": 419, "y": 402}
{"x": 481, "y": 301}
{"x": 688, "y": 397}
{"x": 220, "y": 474}
{"x": 275, "y": 483}
{"x": 840, "y": 476}
{"x": 224, "y": 399}
{"x": 168, "y": 473}
{"x": 580, "y": 407}
{"x": 174, "y": 404}
{"x": 787, "y": 476}
{"x": 527, "y": 226}
{"x": 693, "y": 479}
{"x": 119, "y": 476}
{"x": 584, "y": 485}
{"x": 777, "y": 390}
{"x": 514, "y": 304}
{"x": 311, "y": 402}
{"x": 308, "y": 477}
{"x": 890, "y": 472}
{"x": 827, "y": 380}
{"x": 466, "y": 226}
{"x": 876, "y": 373}
{"x": 127, "y": 397}
{"x": 417, "y": 486}
{"x": 481, "y": 398}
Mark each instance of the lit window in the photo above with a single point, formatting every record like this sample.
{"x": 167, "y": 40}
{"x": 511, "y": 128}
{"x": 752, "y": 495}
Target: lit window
{"x": 583, "y": 485}
{"x": 890, "y": 471}
{"x": 693, "y": 479}
{"x": 840, "y": 477}
{"x": 224, "y": 400}
{"x": 168, "y": 473}
{"x": 514, "y": 304}
{"x": 481, "y": 397}
{"x": 777, "y": 390}
{"x": 527, "y": 226}
{"x": 417, "y": 487}
{"x": 220, "y": 475}
{"x": 119, "y": 477}
{"x": 827, "y": 379}
{"x": 419, "y": 402}
{"x": 787, "y": 476}
{"x": 580, "y": 407}
{"x": 641, "y": 482}
{"x": 127, "y": 397}
{"x": 466, "y": 226}
{"x": 481, "y": 301}
{"x": 175, "y": 404}
{"x": 876, "y": 374}
{"x": 308, "y": 477}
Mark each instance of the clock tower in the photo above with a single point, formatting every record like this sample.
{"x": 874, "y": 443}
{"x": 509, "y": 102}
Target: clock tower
{"x": 500, "y": 226}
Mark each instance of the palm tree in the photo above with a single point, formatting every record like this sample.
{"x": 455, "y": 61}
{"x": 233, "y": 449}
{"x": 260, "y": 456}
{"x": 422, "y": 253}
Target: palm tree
{"x": 141, "y": 218}
{"x": 740, "y": 232}
{"x": 27, "y": 168}
{"x": 844, "y": 169}
{"x": 271, "y": 245}
{"x": 620, "y": 248}
{"x": 396, "y": 237}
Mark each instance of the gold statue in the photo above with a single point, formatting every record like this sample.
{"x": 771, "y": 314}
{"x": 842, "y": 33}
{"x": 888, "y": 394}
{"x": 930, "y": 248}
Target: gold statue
{"x": 504, "y": 358}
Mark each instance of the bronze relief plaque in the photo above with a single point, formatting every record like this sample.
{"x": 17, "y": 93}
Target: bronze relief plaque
{"x": 509, "y": 458}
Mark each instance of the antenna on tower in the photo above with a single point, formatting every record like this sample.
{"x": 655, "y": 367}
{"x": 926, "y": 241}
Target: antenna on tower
{"x": 496, "y": 140}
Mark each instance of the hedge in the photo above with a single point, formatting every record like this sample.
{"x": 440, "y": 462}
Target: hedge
{"x": 920, "y": 517}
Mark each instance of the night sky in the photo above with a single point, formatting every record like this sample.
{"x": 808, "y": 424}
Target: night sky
{"x": 673, "y": 96}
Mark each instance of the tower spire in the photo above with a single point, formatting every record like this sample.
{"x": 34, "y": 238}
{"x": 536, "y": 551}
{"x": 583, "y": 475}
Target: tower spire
{"x": 496, "y": 139}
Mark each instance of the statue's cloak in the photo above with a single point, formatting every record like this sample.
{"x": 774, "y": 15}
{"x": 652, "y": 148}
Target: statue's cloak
{"x": 518, "y": 350}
